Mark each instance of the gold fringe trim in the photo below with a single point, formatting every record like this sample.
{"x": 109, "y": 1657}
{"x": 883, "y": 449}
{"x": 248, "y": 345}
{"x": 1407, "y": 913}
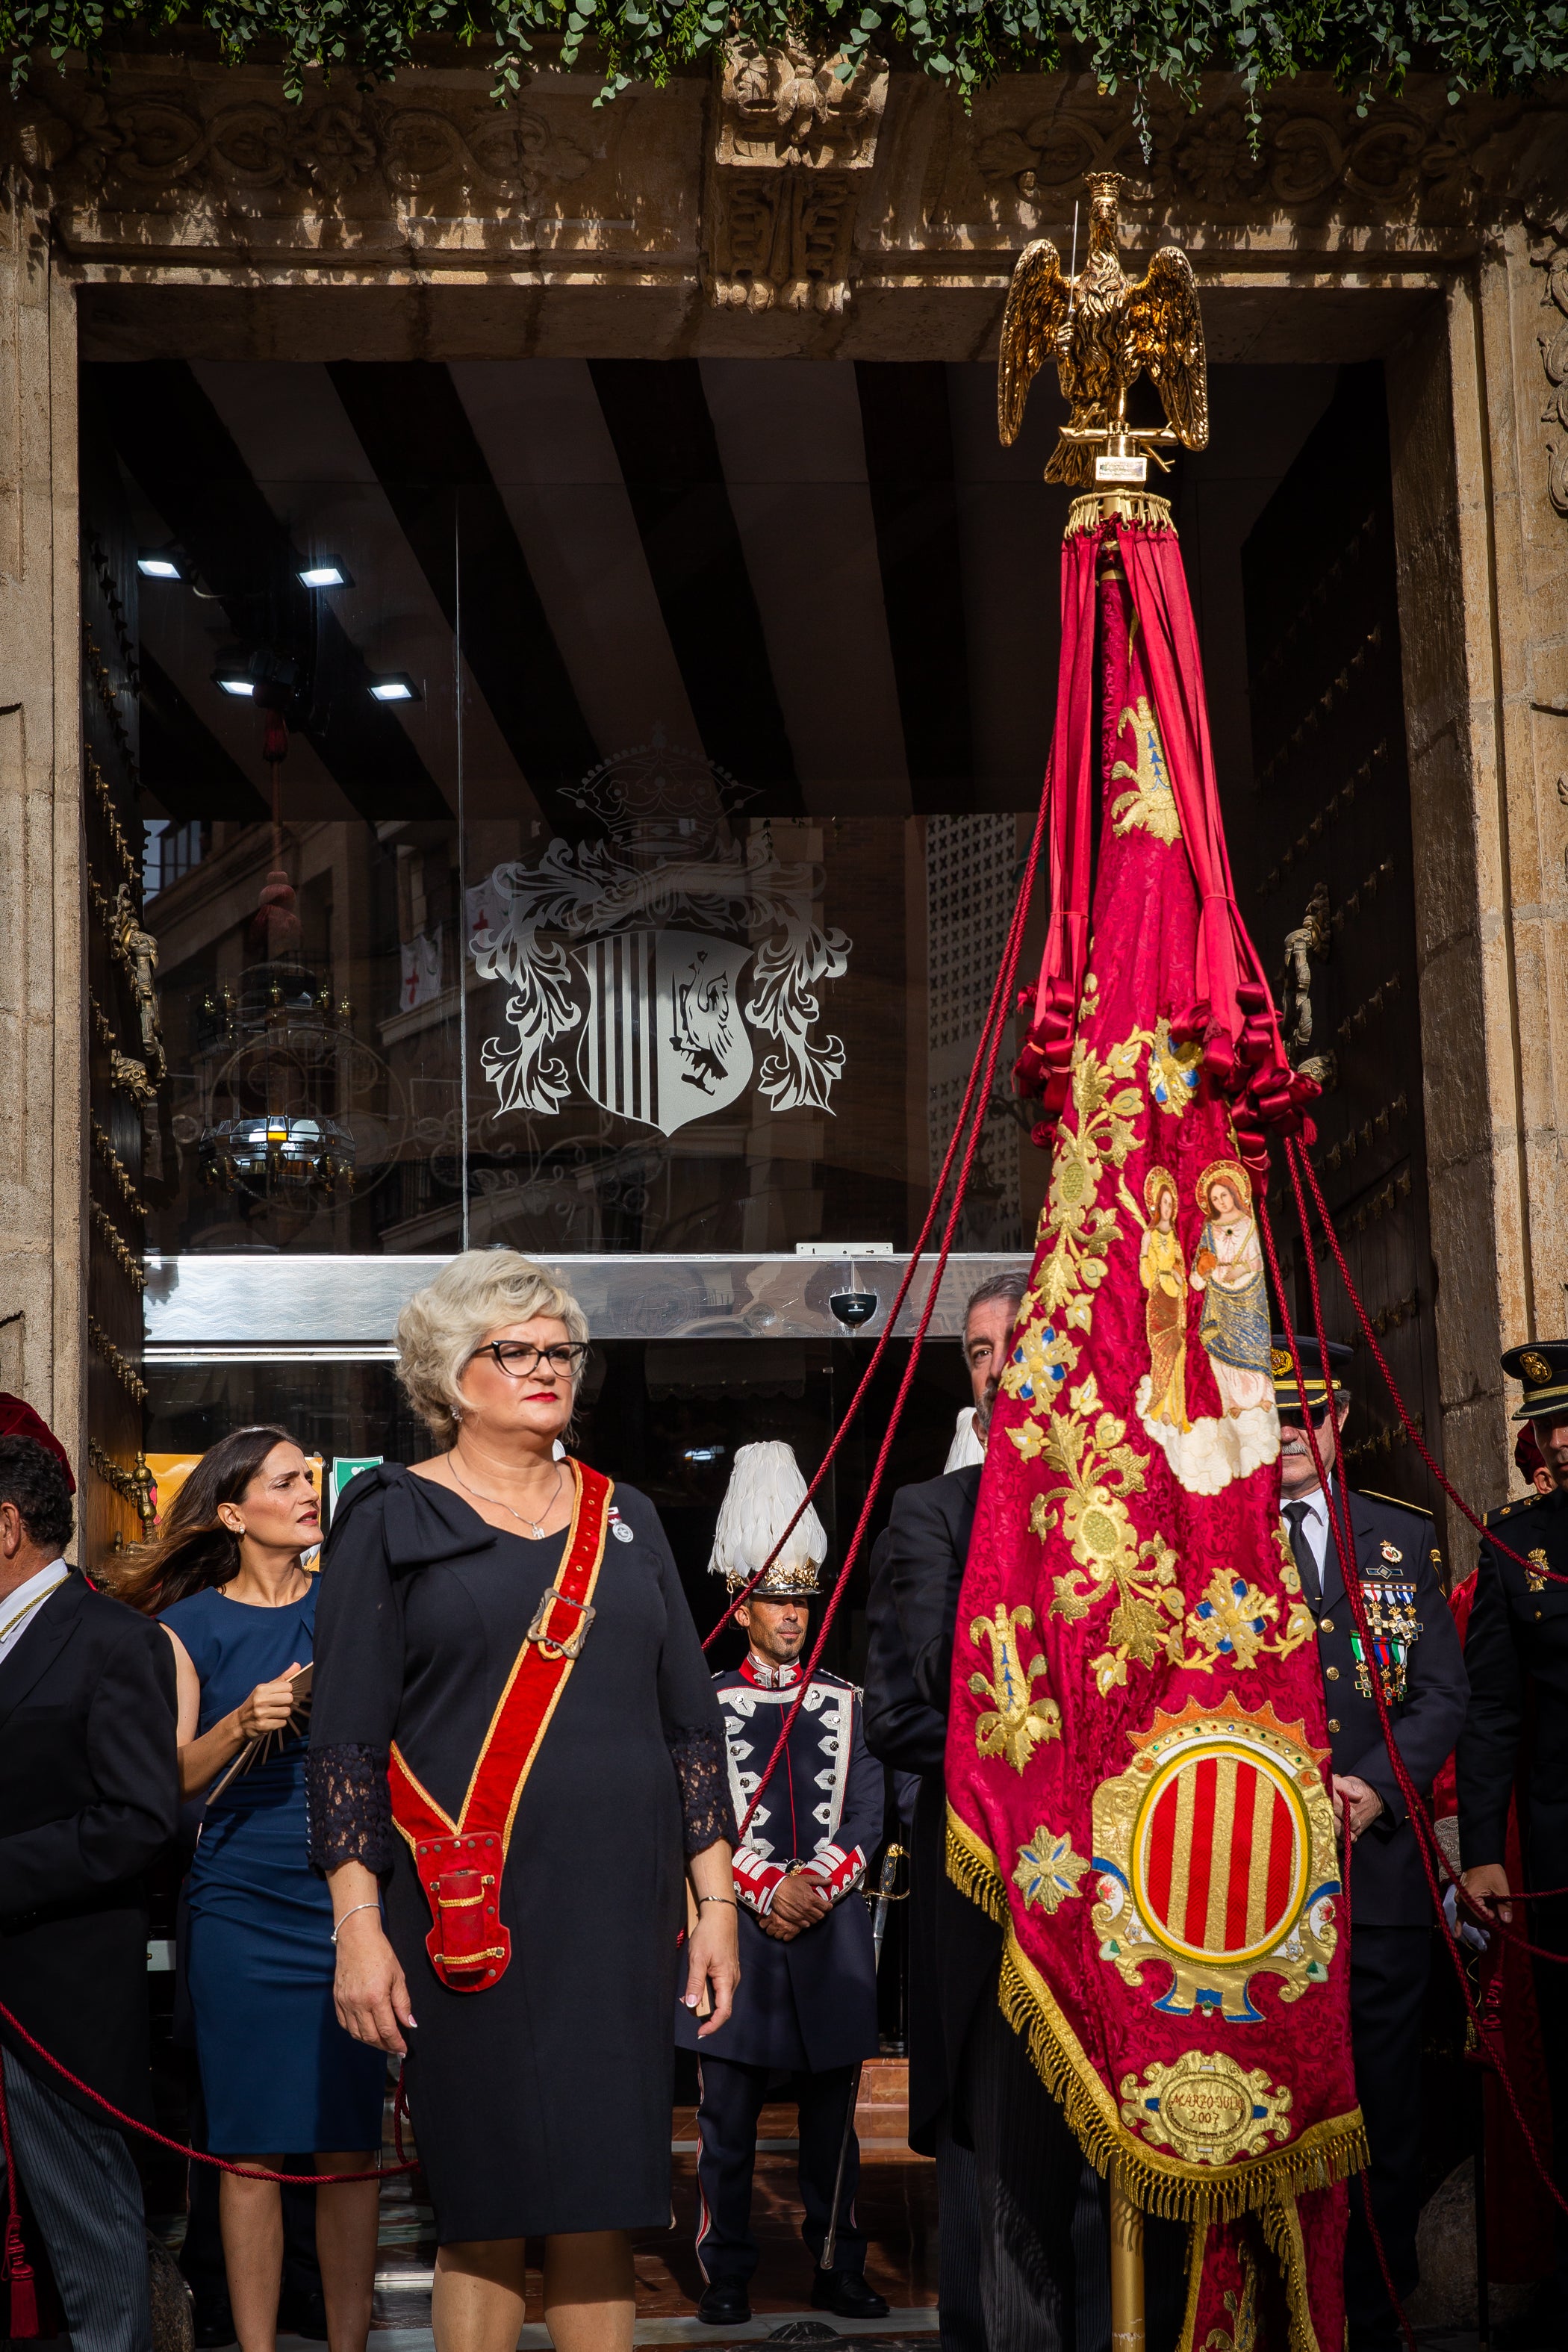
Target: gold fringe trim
{"x": 1329, "y": 2151}
{"x": 1197, "y": 2240}
{"x": 1126, "y": 506}
{"x": 1283, "y": 2235}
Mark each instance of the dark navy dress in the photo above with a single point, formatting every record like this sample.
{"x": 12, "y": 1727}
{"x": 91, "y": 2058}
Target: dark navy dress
{"x": 278, "y": 2073}
{"x": 541, "y": 2104}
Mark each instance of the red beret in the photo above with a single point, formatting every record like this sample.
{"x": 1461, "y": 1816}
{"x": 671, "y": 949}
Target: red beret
{"x": 18, "y": 1419}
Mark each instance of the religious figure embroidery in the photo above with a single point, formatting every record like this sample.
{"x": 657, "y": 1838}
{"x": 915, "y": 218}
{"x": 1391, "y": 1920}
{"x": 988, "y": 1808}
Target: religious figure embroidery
{"x": 1151, "y": 805}
{"x": 1162, "y": 1270}
{"x": 1226, "y": 1272}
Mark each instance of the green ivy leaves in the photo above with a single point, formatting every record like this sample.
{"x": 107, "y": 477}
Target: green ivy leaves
{"x": 1481, "y": 44}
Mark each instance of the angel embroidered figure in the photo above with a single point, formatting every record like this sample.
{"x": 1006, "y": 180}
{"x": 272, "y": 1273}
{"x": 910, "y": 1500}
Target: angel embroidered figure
{"x": 1163, "y": 1273}
{"x": 1228, "y": 1270}
{"x": 1104, "y": 329}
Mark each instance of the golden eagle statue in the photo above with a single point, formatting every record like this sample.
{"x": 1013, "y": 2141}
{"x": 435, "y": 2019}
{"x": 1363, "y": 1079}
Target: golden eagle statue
{"x": 1103, "y": 328}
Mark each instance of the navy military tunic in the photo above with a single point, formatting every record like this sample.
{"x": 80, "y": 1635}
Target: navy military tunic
{"x": 1517, "y": 1636}
{"x": 810, "y": 2004}
{"x": 1423, "y": 1668}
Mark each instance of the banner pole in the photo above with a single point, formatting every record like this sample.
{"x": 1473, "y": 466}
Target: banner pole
{"x": 1126, "y": 2268}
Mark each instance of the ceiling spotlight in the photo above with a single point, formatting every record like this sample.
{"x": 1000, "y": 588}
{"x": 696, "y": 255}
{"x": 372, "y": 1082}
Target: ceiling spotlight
{"x": 235, "y": 681}
{"x": 330, "y": 572}
{"x": 396, "y": 688}
{"x": 160, "y": 567}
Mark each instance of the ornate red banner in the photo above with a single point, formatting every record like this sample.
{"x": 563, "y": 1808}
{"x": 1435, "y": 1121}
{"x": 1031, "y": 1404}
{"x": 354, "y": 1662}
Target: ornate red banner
{"x": 1137, "y": 1750}
{"x": 461, "y": 1862}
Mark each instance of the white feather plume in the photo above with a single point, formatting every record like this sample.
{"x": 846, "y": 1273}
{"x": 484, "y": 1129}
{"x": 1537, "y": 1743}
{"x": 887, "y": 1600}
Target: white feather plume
{"x": 764, "y": 1492}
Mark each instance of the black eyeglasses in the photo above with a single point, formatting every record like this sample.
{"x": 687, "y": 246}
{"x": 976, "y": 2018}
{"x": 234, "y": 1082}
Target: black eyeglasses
{"x": 515, "y": 1357}
{"x": 1297, "y": 1420}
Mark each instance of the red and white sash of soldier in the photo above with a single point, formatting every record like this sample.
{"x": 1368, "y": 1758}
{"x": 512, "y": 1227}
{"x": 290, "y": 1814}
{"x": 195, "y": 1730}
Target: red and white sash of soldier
{"x": 1137, "y": 1744}
{"x": 461, "y": 1862}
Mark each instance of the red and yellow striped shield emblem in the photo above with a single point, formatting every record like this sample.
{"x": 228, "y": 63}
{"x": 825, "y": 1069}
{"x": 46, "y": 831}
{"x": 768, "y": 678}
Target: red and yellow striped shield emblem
{"x": 1219, "y": 1855}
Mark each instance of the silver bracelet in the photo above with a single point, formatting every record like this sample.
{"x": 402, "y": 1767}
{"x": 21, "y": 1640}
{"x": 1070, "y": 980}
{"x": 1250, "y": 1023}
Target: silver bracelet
{"x": 348, "y": 1914}
{"x": 728, "y": 1899}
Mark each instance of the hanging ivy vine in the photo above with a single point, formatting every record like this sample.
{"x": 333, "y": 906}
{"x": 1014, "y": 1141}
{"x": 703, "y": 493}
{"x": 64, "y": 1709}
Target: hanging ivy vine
{"x": 1494, "y": 45}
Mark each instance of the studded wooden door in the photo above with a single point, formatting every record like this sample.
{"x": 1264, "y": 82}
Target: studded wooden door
{"x": 124, "y": 1060}
{"x": 1327, "y": 856}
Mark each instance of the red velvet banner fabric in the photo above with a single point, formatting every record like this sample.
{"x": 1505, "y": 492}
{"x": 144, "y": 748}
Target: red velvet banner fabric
{"x": 1137, "y": 1750}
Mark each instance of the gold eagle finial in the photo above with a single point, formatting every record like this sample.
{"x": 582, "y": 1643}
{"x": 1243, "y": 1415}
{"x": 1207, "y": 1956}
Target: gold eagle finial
{"x": 1103, "y": 329}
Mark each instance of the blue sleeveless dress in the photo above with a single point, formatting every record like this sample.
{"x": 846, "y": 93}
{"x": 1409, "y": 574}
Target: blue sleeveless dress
{"x": 278, "y": 2073}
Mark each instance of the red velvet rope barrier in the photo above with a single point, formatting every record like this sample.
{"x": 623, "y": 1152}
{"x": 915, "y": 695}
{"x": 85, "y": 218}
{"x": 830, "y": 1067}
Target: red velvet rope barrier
{"x": 200, "y": 2155}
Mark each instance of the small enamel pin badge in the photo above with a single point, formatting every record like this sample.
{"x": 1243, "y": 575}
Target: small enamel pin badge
{"x": 1391, "y": 1551}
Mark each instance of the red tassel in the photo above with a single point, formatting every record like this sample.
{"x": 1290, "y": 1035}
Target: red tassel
{"x": 24, "y": 2305}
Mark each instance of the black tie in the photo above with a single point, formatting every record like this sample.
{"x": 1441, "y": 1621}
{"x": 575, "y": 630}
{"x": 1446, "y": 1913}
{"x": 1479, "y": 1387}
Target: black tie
{"x": 1294, "y": 1515}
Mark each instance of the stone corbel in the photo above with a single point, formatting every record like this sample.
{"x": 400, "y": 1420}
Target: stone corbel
{"x": 793, "y": 150}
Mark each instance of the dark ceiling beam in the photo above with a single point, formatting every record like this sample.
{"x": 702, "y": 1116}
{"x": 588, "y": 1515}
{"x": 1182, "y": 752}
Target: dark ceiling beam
{"x": 169, "y": 436}
{"x": 658, "y": 418}
{"x": 908, "y": 463}
{"x": 183, "y": 763}
{"x": 414, "y": 430}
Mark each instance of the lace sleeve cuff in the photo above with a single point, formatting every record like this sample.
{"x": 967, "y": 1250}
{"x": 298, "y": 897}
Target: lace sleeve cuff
{"x": 348, "y": 1808}
{"x": 703, "y": 1771}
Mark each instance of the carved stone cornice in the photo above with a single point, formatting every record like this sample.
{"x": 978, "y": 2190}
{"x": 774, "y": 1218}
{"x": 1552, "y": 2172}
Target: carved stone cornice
{"x": 794, "y": 146}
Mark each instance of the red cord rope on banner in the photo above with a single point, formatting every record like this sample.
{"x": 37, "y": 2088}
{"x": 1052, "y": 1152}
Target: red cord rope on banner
{"x": 994, "y": 1013}
{"x": 987, "y": 1049}
{"x": 1433, "y": 1859}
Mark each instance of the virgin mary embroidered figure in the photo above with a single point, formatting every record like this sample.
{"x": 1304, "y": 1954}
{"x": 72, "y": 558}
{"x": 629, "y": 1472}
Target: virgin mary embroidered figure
{"x": 1228, "y": 1270}
{"x": 1163, "y": 1273}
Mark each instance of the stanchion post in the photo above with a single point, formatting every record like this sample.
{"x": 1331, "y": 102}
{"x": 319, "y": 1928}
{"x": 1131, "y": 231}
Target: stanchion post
{"x": 1126, "y": 2268}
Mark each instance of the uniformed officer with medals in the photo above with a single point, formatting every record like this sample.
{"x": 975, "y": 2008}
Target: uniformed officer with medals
{"x": 1516, "y": 1648}
{"x": 805, "y": 2012}
{"x": 1415, "y": 1652}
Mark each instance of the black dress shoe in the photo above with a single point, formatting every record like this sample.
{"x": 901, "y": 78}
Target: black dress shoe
{"x": 725, "y": 2304}
{"x": 847, "y": 2294}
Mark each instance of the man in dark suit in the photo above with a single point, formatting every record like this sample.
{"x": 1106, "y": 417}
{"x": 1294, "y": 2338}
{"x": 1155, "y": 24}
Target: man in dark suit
{"x": 89, "y": 1796}
{"x": 1516, "y": 1648}
{"x": 1422, "y": 1668}
{"x": 1008, "y": 2173}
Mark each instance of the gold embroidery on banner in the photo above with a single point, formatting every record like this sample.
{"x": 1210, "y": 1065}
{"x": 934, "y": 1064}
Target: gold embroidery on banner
{"x": 1074, "y": 1267}
{"x": 1172, "y": 1070}
{"x": 1018, "y": 1718}
{"x": 1100, "y": 1470}
{"x": 1242, "y": 2334}
{"x": 1207, "y": 2109}
{"x": 1230, "y": 1625}
{"x": 1151, "y": 805}
{"x": 1049, "y": 1870}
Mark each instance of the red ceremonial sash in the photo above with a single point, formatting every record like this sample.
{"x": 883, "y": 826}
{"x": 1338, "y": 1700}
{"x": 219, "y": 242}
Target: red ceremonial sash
{"x": 461, "y": 1862}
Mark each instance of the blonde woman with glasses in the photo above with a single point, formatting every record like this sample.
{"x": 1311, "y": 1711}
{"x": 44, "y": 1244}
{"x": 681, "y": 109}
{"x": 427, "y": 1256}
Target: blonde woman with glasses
{"x": 519, "y": 1797}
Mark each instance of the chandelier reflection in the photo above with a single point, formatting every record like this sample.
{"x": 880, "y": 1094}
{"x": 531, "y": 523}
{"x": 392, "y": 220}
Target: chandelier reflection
{"x": 286, "y": 1085}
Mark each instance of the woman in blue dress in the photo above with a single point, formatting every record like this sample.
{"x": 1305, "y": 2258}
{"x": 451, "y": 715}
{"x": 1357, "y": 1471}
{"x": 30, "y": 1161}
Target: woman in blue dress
{"x": 278, "y": 2073}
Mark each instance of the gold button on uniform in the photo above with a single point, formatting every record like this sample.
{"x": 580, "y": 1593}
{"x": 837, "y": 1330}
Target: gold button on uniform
{"x": 1332, "y": 1674}
{"x": 1328, "y": 1625}
{"x": 1333, "y": 1723}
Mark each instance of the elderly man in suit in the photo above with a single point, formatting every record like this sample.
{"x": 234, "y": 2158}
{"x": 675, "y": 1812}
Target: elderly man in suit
{"x": 1421, "y": 1665}
{"x": 89, "y": 1796}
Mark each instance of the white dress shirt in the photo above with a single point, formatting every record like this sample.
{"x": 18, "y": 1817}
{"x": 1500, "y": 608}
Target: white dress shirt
{"x": 1314, "y": 1526}
{"x": 19, "y": 1608}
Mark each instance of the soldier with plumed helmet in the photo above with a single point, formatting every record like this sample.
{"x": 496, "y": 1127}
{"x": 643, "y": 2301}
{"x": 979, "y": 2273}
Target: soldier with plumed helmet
{"x": 805, "y": 2012}
{"x": 1516, "y": 1647}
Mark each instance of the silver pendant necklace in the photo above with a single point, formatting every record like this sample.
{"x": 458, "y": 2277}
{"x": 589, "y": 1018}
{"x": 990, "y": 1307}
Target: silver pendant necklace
{"x": 520, "y": 1517}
